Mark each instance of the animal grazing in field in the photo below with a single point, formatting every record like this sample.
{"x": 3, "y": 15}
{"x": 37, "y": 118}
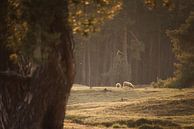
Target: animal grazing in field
{"x": 118, "y": 85}
{"x": 128, "y": 84}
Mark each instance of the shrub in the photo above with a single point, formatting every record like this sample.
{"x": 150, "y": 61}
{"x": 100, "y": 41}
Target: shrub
{"x": 168, "y": 83}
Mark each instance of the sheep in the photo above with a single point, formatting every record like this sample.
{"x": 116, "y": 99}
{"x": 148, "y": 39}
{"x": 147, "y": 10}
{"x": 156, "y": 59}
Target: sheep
{"x": 118, "y": 85}
{"x": 128, "y": 84}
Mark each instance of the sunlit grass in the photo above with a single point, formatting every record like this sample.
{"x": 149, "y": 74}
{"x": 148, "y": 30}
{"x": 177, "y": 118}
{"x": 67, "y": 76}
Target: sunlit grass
{"x": 130, "y": 108}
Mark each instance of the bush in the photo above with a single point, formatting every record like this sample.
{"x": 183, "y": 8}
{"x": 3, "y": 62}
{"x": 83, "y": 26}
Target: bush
{"x": 169, "y": 83}
{"x": 183, "y": 47}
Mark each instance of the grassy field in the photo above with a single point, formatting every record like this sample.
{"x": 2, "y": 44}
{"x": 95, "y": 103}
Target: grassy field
{"x": 139, "y": 108}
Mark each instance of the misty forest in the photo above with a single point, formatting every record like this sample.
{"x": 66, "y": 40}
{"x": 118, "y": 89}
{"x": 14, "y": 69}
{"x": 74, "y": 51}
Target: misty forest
{"x": 96, "y": 64}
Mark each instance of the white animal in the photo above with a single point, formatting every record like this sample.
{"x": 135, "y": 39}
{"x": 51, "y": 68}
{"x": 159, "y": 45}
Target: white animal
{"x": 128, "y": 84}
{"x": 118, "y": 85}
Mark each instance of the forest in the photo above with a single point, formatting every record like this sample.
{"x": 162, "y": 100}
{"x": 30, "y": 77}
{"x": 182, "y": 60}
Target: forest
{"x": 146, "y": 48}
{"x": 96, "y": 64}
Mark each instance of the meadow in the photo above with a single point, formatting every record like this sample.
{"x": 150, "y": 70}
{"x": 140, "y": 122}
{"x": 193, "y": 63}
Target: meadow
{"x": 139, "y": 108}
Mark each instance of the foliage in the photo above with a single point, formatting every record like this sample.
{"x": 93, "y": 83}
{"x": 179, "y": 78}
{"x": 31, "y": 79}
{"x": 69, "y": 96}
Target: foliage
{"x": 168, "y": 83}
{"x": 158, "y": 84}
{"x": 183, "y": 47}
{"x": 154, "y": 3}
{"x": 87, "y": 15}
{"x": 29, "y": 36}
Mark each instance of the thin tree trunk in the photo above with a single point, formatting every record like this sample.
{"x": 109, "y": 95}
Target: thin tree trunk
{"x": 89, "y": 65}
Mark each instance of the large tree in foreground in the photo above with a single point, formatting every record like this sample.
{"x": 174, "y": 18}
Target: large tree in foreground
{"x": 36, "y": 53}
{"x": 37, "y": 65}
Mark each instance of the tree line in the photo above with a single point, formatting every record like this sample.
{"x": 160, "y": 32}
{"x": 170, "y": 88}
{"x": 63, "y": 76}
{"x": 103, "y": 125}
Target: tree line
{"x": 134, "y": 46}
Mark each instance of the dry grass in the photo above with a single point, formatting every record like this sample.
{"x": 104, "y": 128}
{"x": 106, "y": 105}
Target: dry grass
{"x": 143, "y": 108}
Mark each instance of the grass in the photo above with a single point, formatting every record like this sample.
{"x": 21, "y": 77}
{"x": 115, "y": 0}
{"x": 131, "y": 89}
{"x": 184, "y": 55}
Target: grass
{"x": 139, "y": 108}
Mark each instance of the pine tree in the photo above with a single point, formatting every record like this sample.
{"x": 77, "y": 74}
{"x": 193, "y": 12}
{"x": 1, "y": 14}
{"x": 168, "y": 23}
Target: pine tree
{"x": 183, "y": 47}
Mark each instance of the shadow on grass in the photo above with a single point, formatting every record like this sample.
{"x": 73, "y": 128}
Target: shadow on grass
{"x": 76, "y": 119}
{"x": 179, "y": 107}
{"x": 146, "y": 124}
{"x": 140, "y": 123}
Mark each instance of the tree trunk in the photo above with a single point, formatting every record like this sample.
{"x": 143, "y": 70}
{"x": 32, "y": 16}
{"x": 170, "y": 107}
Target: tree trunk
{"x": 39, "y": 102}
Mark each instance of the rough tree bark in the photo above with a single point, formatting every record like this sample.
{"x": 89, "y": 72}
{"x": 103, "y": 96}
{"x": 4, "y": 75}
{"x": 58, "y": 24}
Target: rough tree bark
{"x": 39, "y": 101}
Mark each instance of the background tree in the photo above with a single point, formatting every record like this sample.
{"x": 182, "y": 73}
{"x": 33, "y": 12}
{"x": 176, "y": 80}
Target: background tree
{"x": 183, "y": 47}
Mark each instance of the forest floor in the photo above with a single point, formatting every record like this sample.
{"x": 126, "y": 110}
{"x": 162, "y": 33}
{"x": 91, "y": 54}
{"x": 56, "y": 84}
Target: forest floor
{"x": 139, "y": 108}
